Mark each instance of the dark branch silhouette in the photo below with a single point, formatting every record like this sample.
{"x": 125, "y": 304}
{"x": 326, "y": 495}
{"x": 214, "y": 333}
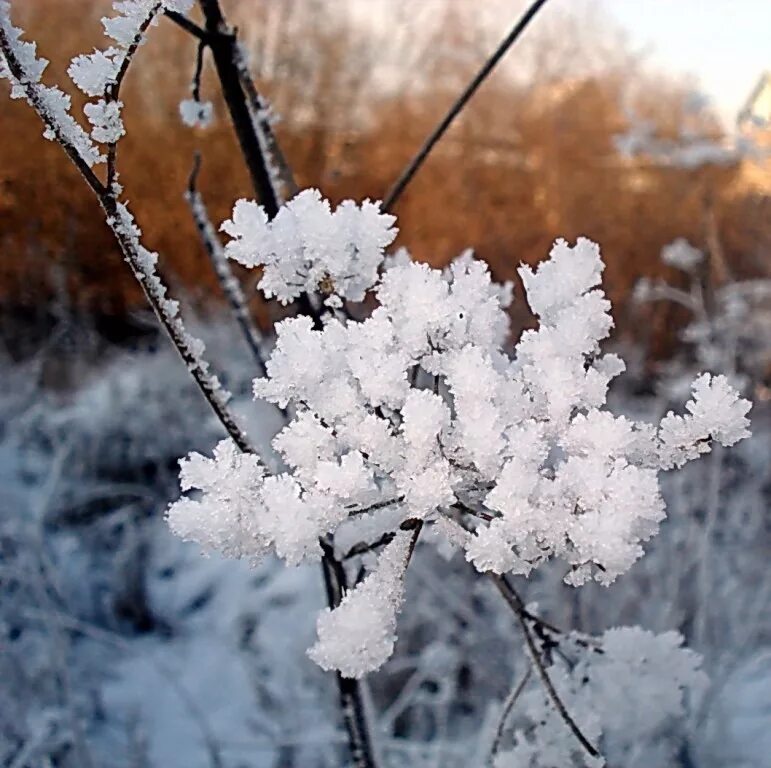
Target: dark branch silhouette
{"x": 425, "y": 150}
{"x": 223, "y": 43}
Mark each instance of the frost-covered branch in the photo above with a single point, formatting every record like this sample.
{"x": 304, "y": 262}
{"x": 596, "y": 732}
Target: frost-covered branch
{"x": 433, "y": 138}
{"x": 506, "y": 710}
{"x": 514, "y": 602}
{"x": 110, "y": 109}
{"x": 21, "y": 66}
{"x": 227, "y": 280}
{"x": 281, "y": 177}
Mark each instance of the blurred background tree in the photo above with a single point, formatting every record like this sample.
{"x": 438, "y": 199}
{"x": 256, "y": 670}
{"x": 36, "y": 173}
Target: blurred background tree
{"x": 356, "y": 88}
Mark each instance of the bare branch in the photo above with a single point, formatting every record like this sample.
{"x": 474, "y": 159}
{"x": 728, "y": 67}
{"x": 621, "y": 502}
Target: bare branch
{"x": 196, "y": 85}
{"x": 113, "y": 91}
{"x": 128, "y": 57}
{"x": 417, "y": 161}
{"x": 189, "y": 26}
{"x": 410, "y": 524}
{"x": 224, "y": 47}
{"x": 515, "y": 603}
{"x": 368, "y": 546}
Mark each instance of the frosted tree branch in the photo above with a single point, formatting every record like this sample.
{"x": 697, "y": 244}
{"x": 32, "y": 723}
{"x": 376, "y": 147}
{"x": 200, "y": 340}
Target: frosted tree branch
{"x": 280, "y": 172}
{"x": 227, "y": 280}
{"x": 141, "y": 261}
{"x": 184, "y": 23}
{"x": 223, "y": 44}
{"x": 349, "y": 689}
{"x": 506, "y": 710}
{"x": 514, "y": 602}
{"x": 112, "y": 93}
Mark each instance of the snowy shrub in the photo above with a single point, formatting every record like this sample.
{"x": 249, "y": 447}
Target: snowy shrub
{"x": 729, "y": 325}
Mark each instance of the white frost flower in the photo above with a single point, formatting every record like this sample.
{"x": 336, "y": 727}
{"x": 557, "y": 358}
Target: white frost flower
{"x": 104, "y": 116}
{"x": 308, "y": 246}
{"x": 715, "y": 413}
{"x": 225, "y": 517}
{"x": 94, "y": 73}
{"x": 196, "y": 114}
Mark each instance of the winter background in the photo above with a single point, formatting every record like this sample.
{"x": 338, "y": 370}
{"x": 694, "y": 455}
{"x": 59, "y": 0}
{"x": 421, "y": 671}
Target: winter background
{"x": 120, "y": 645}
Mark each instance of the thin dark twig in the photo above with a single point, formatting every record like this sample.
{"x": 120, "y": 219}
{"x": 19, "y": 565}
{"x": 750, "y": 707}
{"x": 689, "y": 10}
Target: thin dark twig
{"x": 376, "y": 505}
{"x": 368, "y": 546}
{"x": 508, "y": 706}
{"x": 515, "y": 603}
{"x": 196, "y": 84}
{"x": 349, "y": 689}
{"x": 189, "y": 26}
{"x": 410, "y": 524}
{"x": 474, "y": 512}
{"x": 227, "y": 280}
{"x": 417, "y": 161}
{"x": 113, "y": 90}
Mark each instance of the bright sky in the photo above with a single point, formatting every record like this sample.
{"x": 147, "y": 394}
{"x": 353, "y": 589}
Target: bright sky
{"x": 725, "y": 44}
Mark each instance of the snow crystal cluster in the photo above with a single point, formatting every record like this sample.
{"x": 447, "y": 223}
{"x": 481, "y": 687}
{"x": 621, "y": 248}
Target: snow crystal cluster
{"x": 308, "y": 246}
{"x": 594, "y": 684}
{"x": 417, "y": 413}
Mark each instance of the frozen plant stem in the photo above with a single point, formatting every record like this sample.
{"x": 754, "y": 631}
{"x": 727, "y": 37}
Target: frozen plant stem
{"x": 153, "y": 289}
{"x": 349, "y": 690}
{"x": 113, "y": 91}
{"x": 515, "y": 603}
{"x": 227, "y": 280}
{"x": 508, "y": 706}
{"x": 223, "y": 44}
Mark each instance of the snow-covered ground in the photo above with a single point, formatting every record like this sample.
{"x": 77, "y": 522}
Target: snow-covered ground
{"x": 121, "y": 646}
